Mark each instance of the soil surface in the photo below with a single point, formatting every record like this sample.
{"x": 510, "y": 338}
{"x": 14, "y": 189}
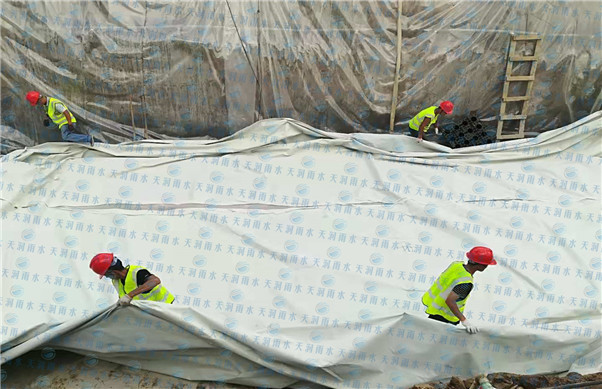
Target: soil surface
{"x": 516, "y": 381}
{"x": 56, "y": 369}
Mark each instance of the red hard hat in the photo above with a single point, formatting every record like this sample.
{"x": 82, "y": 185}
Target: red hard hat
{"x": 447, "y": 107}
{"x": 101, "y": 263}
{"x": 32, "y": 97}
{"x": 481, "y": 255}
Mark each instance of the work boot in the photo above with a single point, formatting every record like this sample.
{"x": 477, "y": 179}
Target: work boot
{"x": 92, "y": 141}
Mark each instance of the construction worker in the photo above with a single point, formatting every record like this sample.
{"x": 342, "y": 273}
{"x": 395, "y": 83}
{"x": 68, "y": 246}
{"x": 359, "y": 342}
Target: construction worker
{"x": 446, "y": 298}
{"x": 57, "y": 111}
{"x": 132, "y": 282}
{"x": 421, "y": 123}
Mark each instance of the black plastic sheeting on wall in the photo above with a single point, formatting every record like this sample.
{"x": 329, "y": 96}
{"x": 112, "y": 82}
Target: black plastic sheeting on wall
{"x": 181, "y": 67}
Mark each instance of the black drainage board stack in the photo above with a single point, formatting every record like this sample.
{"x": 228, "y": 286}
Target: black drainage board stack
{"x": 468, "y": 131}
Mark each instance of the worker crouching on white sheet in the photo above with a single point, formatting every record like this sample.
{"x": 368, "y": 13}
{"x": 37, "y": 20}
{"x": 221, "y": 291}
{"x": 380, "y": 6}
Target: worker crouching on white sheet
{"x": 57, "y": 112}
{"x": 132, "y": 282}
{"x": 446, "y": 298}
{"x": 428, "y": 117}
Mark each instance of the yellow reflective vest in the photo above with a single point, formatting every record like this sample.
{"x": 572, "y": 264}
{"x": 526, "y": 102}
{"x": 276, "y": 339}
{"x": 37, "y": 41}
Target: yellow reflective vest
{"x": 425, "y": 113}
{"x": 57, "y": 116}
{"x": 434, "y": 298}
{"x": 158, "y": 293}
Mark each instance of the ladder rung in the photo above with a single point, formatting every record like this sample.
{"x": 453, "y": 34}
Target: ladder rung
{"x": 522, "y": 58}
{"x": 529, "y": 37}
{"x": 513, "y": 117}
{"x": 515, "y": 98}
{"x": 510, "y": 136}
{"x": 520, "y": 78}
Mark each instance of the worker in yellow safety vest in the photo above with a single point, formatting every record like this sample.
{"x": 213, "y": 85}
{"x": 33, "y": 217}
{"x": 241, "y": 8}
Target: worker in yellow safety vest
{"x": 427, "y": 117}
{"x": 57, "y": 111}
{"x": 446, "y": 298}
{"x": 131, "y": 282}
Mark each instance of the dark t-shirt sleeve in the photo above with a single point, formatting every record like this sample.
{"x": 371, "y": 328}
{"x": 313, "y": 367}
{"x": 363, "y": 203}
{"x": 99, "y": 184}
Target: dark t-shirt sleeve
{"x": 462, "y": 290}
{"x": 142, "y": 276}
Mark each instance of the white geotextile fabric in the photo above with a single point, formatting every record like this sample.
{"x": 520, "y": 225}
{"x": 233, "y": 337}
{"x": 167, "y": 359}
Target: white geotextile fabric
{"x": 299, "y": 256}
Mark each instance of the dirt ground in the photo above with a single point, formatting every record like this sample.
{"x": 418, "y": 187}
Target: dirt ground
{"x": 55, "y": 369}
{"x": 516, "y": 381}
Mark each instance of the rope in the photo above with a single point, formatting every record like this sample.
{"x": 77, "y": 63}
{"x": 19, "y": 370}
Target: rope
{"x": 241, "y": 42}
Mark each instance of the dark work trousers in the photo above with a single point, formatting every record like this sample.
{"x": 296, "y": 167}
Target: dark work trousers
{"x": 413, "y": 133}
{"x": 442, "y": 319}
{"x": 71, "y": 136}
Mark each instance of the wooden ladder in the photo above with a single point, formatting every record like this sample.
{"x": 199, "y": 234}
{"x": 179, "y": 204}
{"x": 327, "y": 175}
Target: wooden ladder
{"x": 523, "y": 100}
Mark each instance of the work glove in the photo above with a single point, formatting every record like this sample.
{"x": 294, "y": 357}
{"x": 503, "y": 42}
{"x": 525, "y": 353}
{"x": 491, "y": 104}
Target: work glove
{"x": 71, "y": 127}
{"x": 124, "y": 300}
{"x": 470, "y": 328}
{"x": 46, "y": 122}
{"x": 437, "y": 130}
{"x": 419, "y": 140}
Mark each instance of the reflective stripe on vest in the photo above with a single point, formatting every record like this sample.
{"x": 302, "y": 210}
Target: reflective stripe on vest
{"x": 428, "y": 113}
{"x": 159, "y": 293}
{"x": 434, "y": 298}
{"x": 57, "y": 117}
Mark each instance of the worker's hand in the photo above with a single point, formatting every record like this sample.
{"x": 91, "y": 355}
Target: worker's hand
{"x": 71, "y": 127}
{"x": 125, "y": 300}
{"x": 470, "y": 328}
{"x": 46, "y": 122}
{"x": 419, "y": 140}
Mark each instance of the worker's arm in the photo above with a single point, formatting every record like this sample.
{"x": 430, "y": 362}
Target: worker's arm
{"x": 451, "y": 303}
{"x": 423, "y": 125}
{"x": 68, "y": 117}
{"x": 150, "y": 283}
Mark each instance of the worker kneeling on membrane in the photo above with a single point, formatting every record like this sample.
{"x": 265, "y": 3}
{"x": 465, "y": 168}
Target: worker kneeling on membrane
{"x": 132, "y": 282}
{"x": 57, "y": 112}
{"x": 446, "y": 298}
{"x": 421, "y": 123}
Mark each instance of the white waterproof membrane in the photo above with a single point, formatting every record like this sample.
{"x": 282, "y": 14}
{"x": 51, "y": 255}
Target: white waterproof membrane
{"x": 300, "y": 256}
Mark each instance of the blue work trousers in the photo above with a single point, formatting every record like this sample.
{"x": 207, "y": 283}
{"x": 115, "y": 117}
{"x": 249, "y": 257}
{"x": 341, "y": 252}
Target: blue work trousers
{"x": 71, "y": 136}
